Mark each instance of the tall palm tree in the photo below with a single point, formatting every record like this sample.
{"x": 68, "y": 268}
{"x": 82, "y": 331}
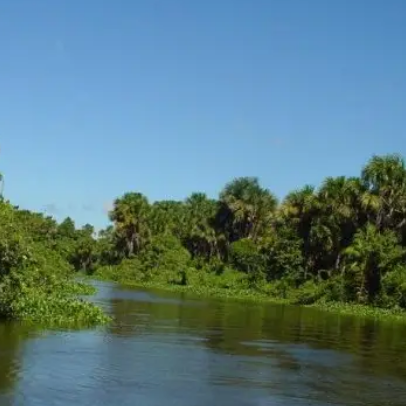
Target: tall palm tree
{"x": 167, "y": 217}
{"x": 372, "y": 255}
{"x": 340, "y": 213}
{"x": 246, "y": 208}
{"x": 299, "y": 210}
{"x": 130, "y": 216}
{"x": 385, "y": 180}
{"x": 200, "y": 236}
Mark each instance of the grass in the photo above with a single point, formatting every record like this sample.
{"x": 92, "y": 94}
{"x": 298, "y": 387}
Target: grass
{"x": 80, "y": 288}
{"x": 350, "y": 309}
{"x": 208, "y": 291}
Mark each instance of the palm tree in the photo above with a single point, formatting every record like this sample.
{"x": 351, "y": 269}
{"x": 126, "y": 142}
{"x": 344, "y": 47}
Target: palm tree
{"x": 340, "y": 214}
{"x": 167, "y": 217}
{"x": 299, "y": 210}
{"x": 372, "y": 255}
{"x": 200, "y": 236}
{"x": 130, "y": 216}
{"x": 246, "y": 208}
{"x": 300, "y": 206}
{"x": 384, "y": 178}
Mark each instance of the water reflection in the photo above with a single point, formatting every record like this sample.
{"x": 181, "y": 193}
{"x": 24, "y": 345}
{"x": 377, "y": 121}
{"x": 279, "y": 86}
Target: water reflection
{"x": 9, "y": 356}
{"x": 173, "y": 349}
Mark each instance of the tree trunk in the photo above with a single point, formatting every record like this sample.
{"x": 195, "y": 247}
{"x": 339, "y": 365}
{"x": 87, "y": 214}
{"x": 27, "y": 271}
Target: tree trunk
{"x": 130, "y": 247}
{"x": 338, "y": 262}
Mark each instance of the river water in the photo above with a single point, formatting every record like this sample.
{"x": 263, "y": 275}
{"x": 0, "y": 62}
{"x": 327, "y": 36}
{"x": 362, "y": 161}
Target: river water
{"x": 171, "y": 349}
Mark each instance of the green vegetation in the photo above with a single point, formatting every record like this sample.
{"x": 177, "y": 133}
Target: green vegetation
{"x": 341, "y": 246}
{"x": 36, "y": 272}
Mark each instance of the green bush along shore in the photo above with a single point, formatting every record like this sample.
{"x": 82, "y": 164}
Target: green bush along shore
{"x": 36, "y": 275}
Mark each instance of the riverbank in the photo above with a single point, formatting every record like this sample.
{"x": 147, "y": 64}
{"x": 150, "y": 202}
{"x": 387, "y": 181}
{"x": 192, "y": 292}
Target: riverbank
{"x": 251, "y": 295}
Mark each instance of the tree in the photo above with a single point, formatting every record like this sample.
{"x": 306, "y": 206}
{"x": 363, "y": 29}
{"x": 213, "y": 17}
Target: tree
{"x": 246, "y": 209}
{"x": 299, "y": 210}
{"x": 371, "y": 256}
{"x": 106, "y": 246}
{"x": 339, "y": 216}
{"x": 385, "y": 180}
{"x": 67, "y": 228}
{"x": 283, "y": 255}
{"x": 167, "y": 217}
{"x": 130, "y": 216}
{"x": 246, "y": 257}
{"x": 84, "y": 255}
{"x": 200, "y": 237}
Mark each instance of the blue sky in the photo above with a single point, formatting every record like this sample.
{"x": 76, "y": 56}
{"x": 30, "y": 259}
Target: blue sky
{"x": 101, "y": 97}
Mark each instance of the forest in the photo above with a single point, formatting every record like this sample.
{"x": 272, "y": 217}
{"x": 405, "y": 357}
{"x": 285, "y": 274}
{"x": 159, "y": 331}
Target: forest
{"x": 343, "y": 242}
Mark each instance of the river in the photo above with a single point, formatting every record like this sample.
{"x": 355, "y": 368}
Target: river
{"x": 172, "y": 349}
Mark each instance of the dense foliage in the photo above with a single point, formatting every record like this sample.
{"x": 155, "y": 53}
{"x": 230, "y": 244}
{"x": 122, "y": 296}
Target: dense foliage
{"x": 36, "y": 271}
{"x": 342, "y": 242}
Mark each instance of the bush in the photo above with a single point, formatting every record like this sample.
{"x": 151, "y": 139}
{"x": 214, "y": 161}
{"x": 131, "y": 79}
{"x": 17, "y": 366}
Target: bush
{"x": 35, "y": 279}
{"x": 246, "y": 257}
{"x": 309, "y": 293}
{"x": 283, "y": 255}
{"x": 394, "y": 288}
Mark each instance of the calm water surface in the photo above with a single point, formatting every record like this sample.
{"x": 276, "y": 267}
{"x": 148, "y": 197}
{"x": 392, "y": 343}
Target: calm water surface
{"x": 168, "y": 349}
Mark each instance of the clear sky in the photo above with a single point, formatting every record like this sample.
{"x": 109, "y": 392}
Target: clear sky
{"x": 167, "y": 97}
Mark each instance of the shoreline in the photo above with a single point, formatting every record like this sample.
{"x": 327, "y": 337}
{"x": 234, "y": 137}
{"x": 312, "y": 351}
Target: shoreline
{"x": 344, "y": 309}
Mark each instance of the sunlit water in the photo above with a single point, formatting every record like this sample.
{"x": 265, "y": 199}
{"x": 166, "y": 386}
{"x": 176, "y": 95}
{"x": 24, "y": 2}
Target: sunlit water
{"x": 167, "y": 349}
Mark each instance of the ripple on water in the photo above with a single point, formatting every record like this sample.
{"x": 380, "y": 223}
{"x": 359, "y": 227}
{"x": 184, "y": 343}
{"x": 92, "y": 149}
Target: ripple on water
{"x": 169, "y": 350}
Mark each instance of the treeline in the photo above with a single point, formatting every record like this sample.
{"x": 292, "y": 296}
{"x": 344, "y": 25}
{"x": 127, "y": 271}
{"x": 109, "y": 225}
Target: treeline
{"x": 342, "y": 242}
